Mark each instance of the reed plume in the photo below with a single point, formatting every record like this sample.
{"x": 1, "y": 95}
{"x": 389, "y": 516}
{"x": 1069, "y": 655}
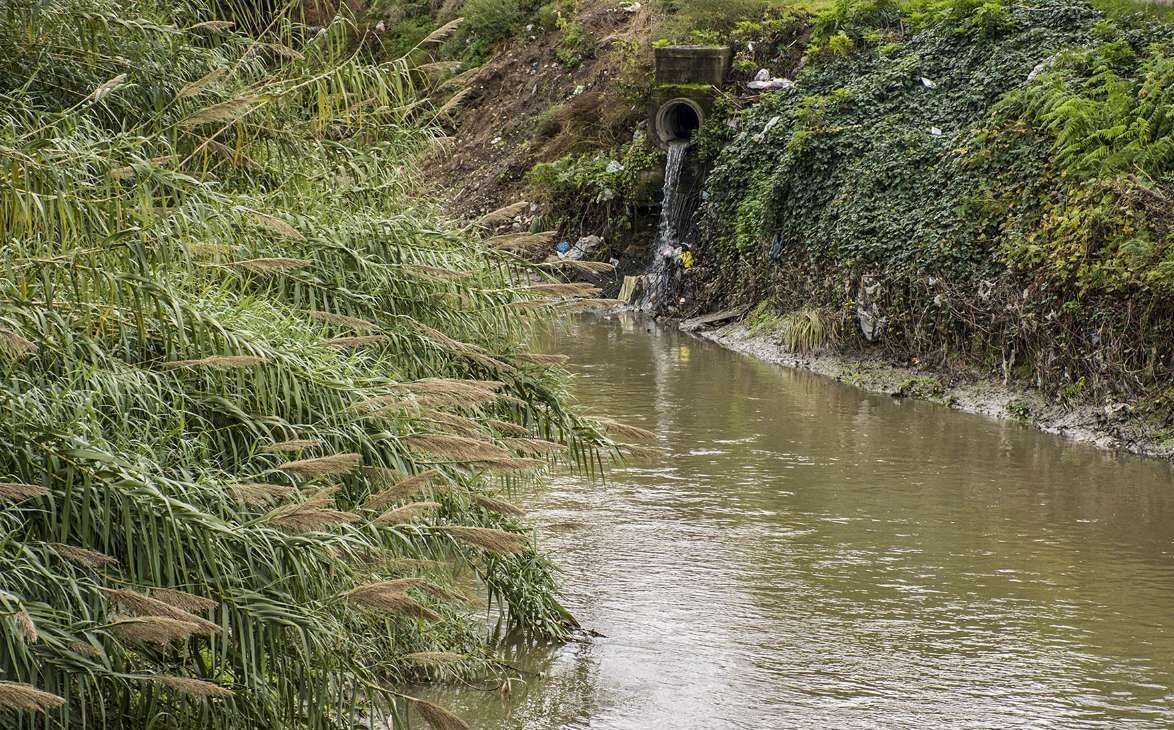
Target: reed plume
{"x": 153, "y": 629}
{"x": 258, "y": 493}
{"x": 438, "y": 717}
{"x": 25, "y": 626}
{"x": 106, "y": 87}
{"x": 507, "y": 427}
{"x": 225, "y": 111}
{"x": 15, "y": 345}
{"x": 27, "y": 698}
{"x": 533, "y": 446}
{"x": 444, "y": 32}
{"x": 199, "y": 85}
{"x": 226, "y": 362}
{"x": 192, "y": 687}
{"x": 455, "y": 448}
{"x": 268, "y": 265}
{"x": 322, "y": 466}
{"x": 502, "y": 215}
{"x": 494, "y": 541}
{"x": 523, "y": 243}
{"x": 15, "y": 492}
{"x": 398, "y": 490}
{"x": 83, "y": 556}
{"x": 142, "y": 605}
{"x": 183, "y": 600}
{"x": 283, "y": 447}
{"x": 624, "y": 430}
{"x": 457, "y": 424}
{"x": 312, "y": 514}
{"x": 407, "y": 513}
{"x": 498, "y": 505}
{"x": 391, "y": 598}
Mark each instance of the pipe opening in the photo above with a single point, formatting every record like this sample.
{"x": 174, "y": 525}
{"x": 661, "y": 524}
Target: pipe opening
{"x": 678, "y": 120}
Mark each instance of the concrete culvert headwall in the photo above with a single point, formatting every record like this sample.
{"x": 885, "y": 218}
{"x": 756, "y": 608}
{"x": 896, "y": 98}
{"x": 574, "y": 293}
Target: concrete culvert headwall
{"x": 678, "y": 119}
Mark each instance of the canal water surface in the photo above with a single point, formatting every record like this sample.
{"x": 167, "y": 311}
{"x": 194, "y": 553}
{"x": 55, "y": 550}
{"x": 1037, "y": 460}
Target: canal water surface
{"x": 805, "y": 555}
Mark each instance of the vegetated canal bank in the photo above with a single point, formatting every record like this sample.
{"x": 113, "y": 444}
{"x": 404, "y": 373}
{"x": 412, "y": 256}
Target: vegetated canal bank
{"x": 805, "y": 554}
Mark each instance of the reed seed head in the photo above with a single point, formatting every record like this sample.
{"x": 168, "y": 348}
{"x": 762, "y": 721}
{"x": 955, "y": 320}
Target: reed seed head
{"x": 407, "y": 513}
{"x": 153, "y": 629}
{"x": 438, "y": 717}
{"x": 183, "y": 600}
{"x": 15, "y": 492}
{"x": 83, "y": 556}
{"x": 294, "y": 445}
{"x": 192, "y": 687}
{"x": 494, "y": 541}
{"x": 323, "y": 466}
{"x": 259, "y": 493}
{"x": 391, "y": 598}
{"x": 27, "y": 698}
{"x": 14, "y": 345}
{"x": 497, "y": 505}
{"x": 142, "y": 605}
{"x": 455, "y": 448}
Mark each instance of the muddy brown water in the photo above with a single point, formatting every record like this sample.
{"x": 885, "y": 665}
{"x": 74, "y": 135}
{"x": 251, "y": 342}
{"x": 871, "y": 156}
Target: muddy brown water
{"x": 806, "y": 555}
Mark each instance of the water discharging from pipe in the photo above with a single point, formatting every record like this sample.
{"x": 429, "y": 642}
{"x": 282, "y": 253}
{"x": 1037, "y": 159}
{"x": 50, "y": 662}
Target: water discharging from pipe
{"x": 668, "y": 231}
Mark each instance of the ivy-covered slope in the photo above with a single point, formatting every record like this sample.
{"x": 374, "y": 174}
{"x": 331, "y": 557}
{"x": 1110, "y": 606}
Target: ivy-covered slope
{"x": 995, "y": 180}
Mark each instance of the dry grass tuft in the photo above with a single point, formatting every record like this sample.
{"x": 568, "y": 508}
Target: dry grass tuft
{"x": 226, "y": 362}
{"x": 283, "y": 447}
{"x": 407, "y": 513}
{"x": 27, "y": 698}
{"x": 192, "y": 687}
{"x": 323, "y": 466}
{"x": 15, "y": 345}
{"x": 396, "y": 490}
{"x": 183, "y": 600}
{"x": 390, "y": 597}
{"x": 15, "y": 492}
{"x": 498, "y": 505}
{"x": 438, "y": 717}
{"x": 153, "y": 629}
{"x": 259, "y": 493}
{"x": 455, "y": 448}
{"x": 454, "y": 101}
{"x": 142, "y": 605}
{"x": 106, "y": 87}
{"x": 344, "y": 321}
{"x": 86, "y": 649}
{"x": 83, "y": 556}
{"x": 343, "y": 343}
{"x": 495, "y": 541}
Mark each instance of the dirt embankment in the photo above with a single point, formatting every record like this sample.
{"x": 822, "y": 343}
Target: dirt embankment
{"x": 1109, "y": 425}
{"x": 526, "y": 105}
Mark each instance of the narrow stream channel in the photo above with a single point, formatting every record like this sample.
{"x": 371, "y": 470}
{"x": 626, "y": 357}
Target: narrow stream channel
{"x": 806, "y": 555}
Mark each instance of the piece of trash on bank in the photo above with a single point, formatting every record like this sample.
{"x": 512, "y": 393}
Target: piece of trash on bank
{"x": 764, "y": 82}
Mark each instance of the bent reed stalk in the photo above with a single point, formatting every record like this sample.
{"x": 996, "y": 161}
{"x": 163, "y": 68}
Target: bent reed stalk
{"x": 223, "y": 324}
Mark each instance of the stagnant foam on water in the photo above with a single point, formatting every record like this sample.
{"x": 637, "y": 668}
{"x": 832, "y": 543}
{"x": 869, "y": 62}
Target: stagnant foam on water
{"x": 668, "y": 231}
{"x": 804, "y": 555}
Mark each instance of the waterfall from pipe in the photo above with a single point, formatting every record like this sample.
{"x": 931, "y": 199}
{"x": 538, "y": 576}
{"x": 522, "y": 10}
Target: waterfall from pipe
{"x": 668, "y": 231}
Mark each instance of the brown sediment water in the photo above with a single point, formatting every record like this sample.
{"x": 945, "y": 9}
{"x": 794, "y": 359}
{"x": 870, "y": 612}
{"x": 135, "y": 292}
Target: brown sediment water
{"x": 806, "y": 555}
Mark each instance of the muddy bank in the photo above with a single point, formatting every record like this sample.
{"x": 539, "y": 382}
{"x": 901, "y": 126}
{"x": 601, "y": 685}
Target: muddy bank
{"x": 1109, "y": 426}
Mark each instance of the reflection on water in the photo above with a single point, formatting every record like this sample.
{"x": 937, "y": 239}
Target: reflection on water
{"x": 809, "y": 556}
